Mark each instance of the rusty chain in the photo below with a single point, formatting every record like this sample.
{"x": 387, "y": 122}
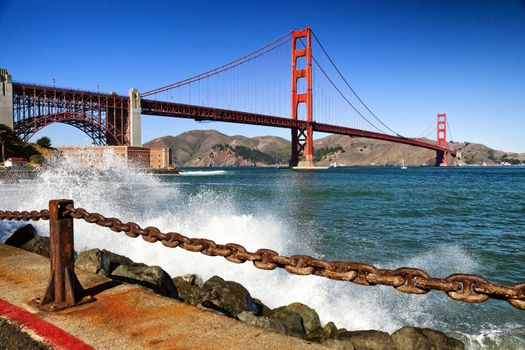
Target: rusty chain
{"x": 460, "y": 287}
{"x": 24, "y": 215}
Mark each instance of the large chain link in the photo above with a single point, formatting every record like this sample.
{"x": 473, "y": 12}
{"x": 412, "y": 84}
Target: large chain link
{"x": 461, "y": 287}
{"x": 24, "y": 215}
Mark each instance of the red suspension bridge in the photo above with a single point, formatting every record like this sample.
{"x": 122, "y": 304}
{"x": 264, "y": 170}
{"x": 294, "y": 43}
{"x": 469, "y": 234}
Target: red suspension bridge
{"x": 254, "y": 89}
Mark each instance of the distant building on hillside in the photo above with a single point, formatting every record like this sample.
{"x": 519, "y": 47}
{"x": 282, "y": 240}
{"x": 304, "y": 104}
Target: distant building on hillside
{"x": 15, "y": 163}
{"x": 99, "y": 156}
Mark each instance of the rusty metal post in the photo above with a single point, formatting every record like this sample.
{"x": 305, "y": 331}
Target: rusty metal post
{"x": 64, "y": 289}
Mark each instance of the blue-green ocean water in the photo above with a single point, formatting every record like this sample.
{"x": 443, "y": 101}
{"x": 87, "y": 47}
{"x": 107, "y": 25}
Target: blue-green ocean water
{"x": 444, "y": 220}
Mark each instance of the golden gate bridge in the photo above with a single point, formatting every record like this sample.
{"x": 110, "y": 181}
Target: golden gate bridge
{"x": 257, "y": 89}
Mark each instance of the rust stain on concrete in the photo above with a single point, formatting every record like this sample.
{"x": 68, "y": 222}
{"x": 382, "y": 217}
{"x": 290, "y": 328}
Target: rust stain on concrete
{"x": 131, "y": 317}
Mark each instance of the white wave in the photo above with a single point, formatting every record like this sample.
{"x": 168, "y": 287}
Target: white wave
{"x": 202, "y": 173}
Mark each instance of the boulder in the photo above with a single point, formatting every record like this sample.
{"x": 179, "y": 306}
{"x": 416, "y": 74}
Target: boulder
{"x": 38, "y": 245}
{"x": 152, "y": 277}
{"x": 309, "y": 318}
{"x": 233, "y": 297}
{"x": 368, "y": 340}
{"x": 215, "y": 306}
{"x": 262, "y": 310}
{"x": 412, "y": 338}
{"x": 115, "y": 260}
{"x": 192, "y": 279}
{"x": 94, "y": 261}
{"x": 329, "y": 330}
{"x": 191, "y": 293}
{"x": 262, "y": 321}
{"x": 291, "y": 320}
{"x": 21, "y": 236}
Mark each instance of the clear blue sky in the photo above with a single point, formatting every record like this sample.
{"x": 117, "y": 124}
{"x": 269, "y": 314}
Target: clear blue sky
{"x": 407, "y": 59}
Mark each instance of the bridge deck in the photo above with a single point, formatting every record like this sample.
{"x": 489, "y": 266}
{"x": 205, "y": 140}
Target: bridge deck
{"x": 178, "y": 110}
{"x": 73, "y": 99}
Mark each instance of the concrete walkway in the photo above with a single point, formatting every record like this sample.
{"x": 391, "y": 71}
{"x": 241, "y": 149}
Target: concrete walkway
{"x": 130, "y": 317}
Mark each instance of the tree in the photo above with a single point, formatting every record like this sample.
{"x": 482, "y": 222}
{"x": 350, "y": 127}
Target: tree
{"x": 44, "y": 142}
{"x": 10, "y": 143}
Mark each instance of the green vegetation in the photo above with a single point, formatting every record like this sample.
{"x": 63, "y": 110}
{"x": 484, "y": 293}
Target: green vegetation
{"x": 44, "y": 142}
{"x": 491, "y": 156}
{"x": 37, "y": 159}
{"x": 252, "y": 155}
{"x": 508, "y": 159}
{"x": 12, "y": 146}
{"x": 276, "y": 157}
{"x": 319, "y": 154}
{"x": 281, "y": 156}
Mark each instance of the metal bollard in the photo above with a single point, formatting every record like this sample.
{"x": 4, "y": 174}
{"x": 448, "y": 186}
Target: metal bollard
{"x": 64, "y": 290}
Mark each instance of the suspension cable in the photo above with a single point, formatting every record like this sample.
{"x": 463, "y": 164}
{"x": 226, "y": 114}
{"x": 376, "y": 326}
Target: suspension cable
{"x": 246, "y": 58}
{"x": 350, "y": 87}
{"x": 341, "y": 93}
{"x": 427, "y": 130}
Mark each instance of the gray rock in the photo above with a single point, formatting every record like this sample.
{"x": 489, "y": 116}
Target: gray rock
{"x": 291, "y": 320}
{"x": 191, "y": 293}
{"x": 233, "y": 297}
{"x": 192, "y": 279}
{"x": 262, "y": 310}
{"x": 309, "y": 318}
{"x": 338, "y": 344}
{"x": 368, "y": 340}
{"x": 94, "y": 261}
{"x": 213, "y": 308}
{"x": 262, "y": 321}
{"x": 152, "y": 277}
{"x": 215, "y": 305}
{"x": 329, "y": 330}
{"x": 38, "y": 245}
{"x": 21, "y": 236}
{"x": 115, "y": 260}
{"x": 412, "y": 338}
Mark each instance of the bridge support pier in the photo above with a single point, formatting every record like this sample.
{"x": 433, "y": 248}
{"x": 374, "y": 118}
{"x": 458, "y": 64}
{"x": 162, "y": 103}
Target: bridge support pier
{"x": 441, "y": 156}
{"x": 302, "y": 145}
{"x": 134, "y": 125}
{"x": 6, "y": 98}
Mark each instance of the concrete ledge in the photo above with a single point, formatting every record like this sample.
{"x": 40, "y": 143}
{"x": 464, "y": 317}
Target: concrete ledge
{"x": 130, "y": 317}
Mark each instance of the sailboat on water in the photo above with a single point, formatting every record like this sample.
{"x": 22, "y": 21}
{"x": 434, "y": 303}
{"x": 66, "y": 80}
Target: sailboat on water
{"x": 403, "y": 164}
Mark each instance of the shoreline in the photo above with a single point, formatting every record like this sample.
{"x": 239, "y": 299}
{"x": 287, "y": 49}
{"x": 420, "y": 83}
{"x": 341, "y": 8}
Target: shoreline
{"x": 231, "y": 300}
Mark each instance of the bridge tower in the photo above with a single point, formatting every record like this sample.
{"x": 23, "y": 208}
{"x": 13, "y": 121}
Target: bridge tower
{"x": 302, "y": 138}
{"x": 6, "y": 98}
{"x": 134, "y": 119}
{"x": 441, "y": 156}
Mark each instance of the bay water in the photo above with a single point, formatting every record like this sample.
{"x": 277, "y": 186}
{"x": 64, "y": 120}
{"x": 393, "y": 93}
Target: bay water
{"x": 443, "y": 220}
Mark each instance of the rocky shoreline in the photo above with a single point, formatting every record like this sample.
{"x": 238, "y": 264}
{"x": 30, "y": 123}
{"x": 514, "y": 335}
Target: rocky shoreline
{"x": 233, "y": 300}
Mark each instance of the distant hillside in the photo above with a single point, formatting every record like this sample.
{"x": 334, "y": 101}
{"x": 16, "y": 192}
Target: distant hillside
{"x": 207, "y": 148}
{"x": 212, "y": 148}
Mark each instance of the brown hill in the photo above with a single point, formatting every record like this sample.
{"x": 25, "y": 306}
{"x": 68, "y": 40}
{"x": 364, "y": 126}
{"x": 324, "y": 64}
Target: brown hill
{"x": 196, "y": 148}
{"x": 212, "y": 148}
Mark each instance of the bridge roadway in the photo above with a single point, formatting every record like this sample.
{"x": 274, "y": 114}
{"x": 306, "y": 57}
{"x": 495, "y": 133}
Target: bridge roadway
{"x": 81, "y": 101}
{"x": 178, "y": 110}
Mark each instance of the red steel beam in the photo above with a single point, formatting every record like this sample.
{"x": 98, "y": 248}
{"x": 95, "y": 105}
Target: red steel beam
{"x": 178, "y": 110}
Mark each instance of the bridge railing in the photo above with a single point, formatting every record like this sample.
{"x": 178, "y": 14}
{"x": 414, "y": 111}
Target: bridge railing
{"x": 65, "y": 88}
{"x": 64, "y": 289}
